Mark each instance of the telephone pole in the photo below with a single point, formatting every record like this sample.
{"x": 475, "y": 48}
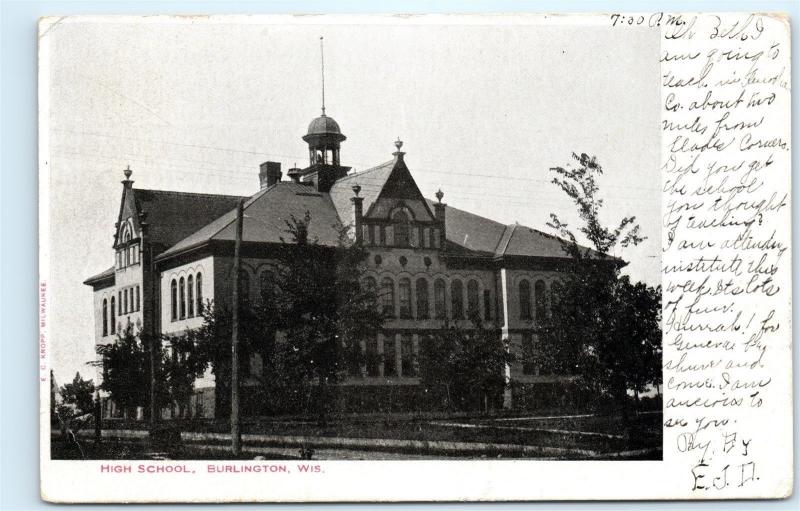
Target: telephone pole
{"x": 236, "y": 439}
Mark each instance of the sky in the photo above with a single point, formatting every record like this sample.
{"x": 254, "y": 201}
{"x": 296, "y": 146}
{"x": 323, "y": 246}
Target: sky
{"x": 484, "y": 111}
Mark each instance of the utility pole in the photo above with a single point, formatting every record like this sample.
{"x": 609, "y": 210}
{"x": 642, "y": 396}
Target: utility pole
{"x": 149, "y": 317}
{"x": 236, "y": 440}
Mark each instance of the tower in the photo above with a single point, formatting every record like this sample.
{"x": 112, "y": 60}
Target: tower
{"x": 324, "y": 139}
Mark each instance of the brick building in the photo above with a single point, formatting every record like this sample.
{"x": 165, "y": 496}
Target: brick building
{"x": 432, "y": 264}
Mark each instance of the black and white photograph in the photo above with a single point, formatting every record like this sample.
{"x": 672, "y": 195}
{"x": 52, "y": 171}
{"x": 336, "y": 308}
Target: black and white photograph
{"x": 296, "y": 248}
{"x": 445, "y": 247}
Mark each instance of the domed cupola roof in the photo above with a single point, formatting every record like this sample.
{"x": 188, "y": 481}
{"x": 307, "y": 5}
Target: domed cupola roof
{"x": 324, "y": 127}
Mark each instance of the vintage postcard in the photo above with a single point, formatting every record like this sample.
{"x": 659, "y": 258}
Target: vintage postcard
{"x": 417, "y": 258}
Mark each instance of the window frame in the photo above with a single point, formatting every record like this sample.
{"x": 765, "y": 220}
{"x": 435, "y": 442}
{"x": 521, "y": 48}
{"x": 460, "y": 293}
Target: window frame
{"x": 105, "y": 316}
{"x": 199, "y": 295}
{"x": 190, "y": 295}
{"x": 387, "y": 299}
{"x": 404, "y": 298}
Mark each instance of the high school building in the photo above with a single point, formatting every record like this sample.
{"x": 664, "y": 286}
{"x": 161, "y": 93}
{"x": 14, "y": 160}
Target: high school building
{"x": 432, "y": 264}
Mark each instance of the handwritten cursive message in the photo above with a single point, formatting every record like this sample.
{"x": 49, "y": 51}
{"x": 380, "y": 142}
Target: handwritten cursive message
{"x": 726, "y": 264}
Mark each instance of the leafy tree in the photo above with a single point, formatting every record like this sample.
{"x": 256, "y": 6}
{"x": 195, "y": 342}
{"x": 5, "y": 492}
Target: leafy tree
{"x": 603, "y": 329}
{"x": 181, "y": 366}
{"x": 324, "y": 314}
{"x": 126, "y": 371}
{"x": 53, "y": 414}
{"x": 210, "y": 346}
{"x": 468, "y": 364}
{"x": 305, "y": 328}
{"x": 79, "y": 393}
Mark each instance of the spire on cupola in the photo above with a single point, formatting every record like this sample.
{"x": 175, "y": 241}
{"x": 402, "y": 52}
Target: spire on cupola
{"x": 324, "y": 138}
{"x": 324, "y": 135}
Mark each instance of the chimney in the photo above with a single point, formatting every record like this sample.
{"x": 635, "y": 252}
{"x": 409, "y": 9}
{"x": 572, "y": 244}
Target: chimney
{"x": 269, "y": 174}
{"x": 439, "y": 213}
{"x": 358, "y": 213}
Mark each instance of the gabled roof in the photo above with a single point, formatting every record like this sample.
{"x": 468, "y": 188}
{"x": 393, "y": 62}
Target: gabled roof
{"x": 266, "y": 215}
{"x": 371, "y": 182}
{"x": 173, "y": 216}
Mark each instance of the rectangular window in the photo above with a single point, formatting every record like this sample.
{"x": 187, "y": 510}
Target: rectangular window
{"x": 138, "y": 303}
{"x": 365, "y": 230}
{"x": 373, "y": 359}
{"x": 377, "y": 235}
{"x": 389, "y": 357}
{"x": 487, "y": 304}
{"x": 408, "y": 358}
{"x": 435, "y": 238}
{"x": 529, "y": 354}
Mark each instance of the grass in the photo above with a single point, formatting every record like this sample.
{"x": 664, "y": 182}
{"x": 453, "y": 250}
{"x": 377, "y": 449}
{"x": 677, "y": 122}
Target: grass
{"x": 574, "y": 433}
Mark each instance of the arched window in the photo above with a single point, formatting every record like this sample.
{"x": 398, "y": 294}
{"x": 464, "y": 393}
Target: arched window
{"x": 244, "y": 285}
{"x": 404, "y": 288}
{"x": 174, "y": 300}
{"x": 541, "y": 300}
{"x": 370, "y": 287}
{"x": 402, "y": 225}
{"x": 487, "y": 304}
{"x": 199, "y": 280}
{"x": 105, "y": 317}
{"x": 473, "y": 307}
{"x": 387, "y": 296}
{"x": 457, "y": 299}
{"x": 440, "y": 301}
{"x": 422, "y": 299}
{"x": 113, "y": 316}
{"x": 182, "y": 293}
{"x": 524, "y": 299}
{"x": 190, "y": 288}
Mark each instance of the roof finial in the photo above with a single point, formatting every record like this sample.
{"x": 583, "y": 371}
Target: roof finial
{"x": 322, "y": 62}
{"x": 439, "y": 195}
{"x": 356, "y": 189}
{"x": 398, "y": 143}
{"x": 127, "y": 173}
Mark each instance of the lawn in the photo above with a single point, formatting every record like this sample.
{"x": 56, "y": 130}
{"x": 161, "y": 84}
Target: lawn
{"x": 602, "y": 434}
